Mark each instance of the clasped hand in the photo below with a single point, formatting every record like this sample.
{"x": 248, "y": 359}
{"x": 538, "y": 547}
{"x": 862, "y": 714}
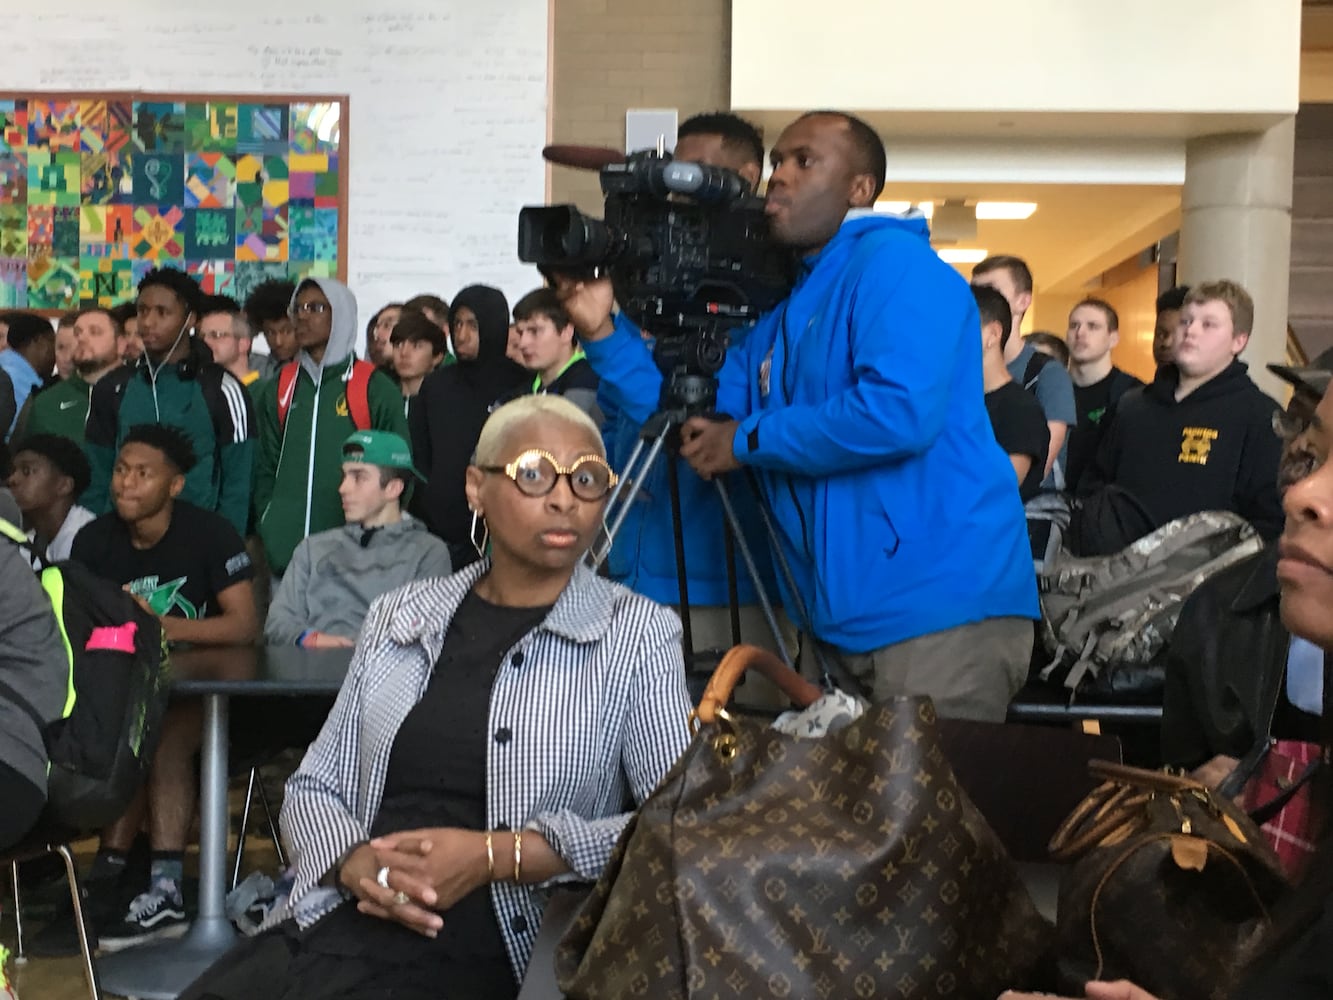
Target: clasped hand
{"x": 433, "y": 868}
{"x": 707, "y": 445}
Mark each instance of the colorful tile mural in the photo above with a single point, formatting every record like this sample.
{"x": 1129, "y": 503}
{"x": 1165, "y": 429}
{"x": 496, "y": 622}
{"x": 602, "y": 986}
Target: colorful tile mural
{"x": 96, "y": 190}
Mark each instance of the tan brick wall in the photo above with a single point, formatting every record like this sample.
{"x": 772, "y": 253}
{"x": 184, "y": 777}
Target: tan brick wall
{"x": 611, "y": 55}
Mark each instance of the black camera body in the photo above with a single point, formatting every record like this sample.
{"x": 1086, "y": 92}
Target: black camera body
{"x": 697, "y": 265}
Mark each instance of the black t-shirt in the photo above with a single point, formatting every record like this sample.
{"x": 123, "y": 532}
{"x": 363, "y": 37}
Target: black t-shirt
{"x": 1095, "y": 404}
{"x": 1020, "y": 428}
{"x": 199, "y": 557}
{"x": 437, "y": 778}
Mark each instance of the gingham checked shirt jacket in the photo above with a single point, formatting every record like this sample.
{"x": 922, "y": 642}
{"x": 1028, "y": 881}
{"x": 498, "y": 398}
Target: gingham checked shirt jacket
{"x": 588, "y": 706}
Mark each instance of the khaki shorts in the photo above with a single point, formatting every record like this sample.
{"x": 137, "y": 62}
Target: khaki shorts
{"x": 972, "y": 671}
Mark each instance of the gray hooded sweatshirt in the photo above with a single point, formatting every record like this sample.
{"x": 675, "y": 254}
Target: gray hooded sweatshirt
{"x": 333, "y": 577}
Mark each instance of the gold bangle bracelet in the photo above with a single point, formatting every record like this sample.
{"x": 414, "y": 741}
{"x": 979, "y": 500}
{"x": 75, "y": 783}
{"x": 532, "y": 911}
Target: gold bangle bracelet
{"x": 518, "y": 855}
{"x": 490, "y": 855}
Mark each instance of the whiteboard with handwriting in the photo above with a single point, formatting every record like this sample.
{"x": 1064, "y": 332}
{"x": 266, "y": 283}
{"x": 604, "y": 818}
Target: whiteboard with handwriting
{"x": 446, "y": 122}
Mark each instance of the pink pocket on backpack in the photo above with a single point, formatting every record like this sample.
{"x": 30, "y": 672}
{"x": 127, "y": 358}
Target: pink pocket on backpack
{"x": 117, "y": 639}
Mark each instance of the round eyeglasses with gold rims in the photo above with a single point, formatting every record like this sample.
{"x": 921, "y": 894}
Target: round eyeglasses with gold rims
{"x": 535, "y": 472}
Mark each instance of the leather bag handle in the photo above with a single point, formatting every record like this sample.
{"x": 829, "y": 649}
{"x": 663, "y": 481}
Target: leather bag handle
{"x": 738, "y": 659}
{"x": 1114, "y": 810}
{"x": 1107, "y": 816}
{"x": 1138, "y": 777}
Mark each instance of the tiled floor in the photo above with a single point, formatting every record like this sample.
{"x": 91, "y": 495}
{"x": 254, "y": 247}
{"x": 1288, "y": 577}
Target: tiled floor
{"x": 62, "y": 978}
{"x": 42, "y": 979}
{"x": 50, "y": 979}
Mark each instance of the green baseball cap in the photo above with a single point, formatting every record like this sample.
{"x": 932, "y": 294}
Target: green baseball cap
{"x": 382, "y": 448}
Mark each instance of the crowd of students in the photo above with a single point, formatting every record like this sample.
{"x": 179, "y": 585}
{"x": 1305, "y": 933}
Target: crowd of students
{"x": 1200, "y": 436}
{"x": 239, "y": 493}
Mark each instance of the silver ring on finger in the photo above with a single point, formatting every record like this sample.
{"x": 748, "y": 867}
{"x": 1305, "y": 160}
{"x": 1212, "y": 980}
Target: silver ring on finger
{"x": 401, "y": 898}
{"x": 382, "y": 877}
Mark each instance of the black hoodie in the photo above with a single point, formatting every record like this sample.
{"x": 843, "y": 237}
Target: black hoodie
{"x": 1213, "y": 450}
{"x": 451, "y": 408}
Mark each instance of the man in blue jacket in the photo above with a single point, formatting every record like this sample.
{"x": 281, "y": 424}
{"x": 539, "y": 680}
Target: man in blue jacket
{"x": 29, "y": 359}
{"x": 643, "y": 557}
{"x": 859, "y": 402}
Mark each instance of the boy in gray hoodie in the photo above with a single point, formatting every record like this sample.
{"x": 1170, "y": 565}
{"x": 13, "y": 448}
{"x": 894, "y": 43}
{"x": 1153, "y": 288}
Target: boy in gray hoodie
{"x": 335, "y": 575}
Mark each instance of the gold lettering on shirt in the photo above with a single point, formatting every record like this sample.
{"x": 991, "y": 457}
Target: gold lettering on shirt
{"x": 1195, "y": 445}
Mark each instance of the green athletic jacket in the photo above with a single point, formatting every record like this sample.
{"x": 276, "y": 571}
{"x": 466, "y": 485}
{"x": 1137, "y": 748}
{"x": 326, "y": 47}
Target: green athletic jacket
{"x": 59, "y": 409}
{"x": 299, "y": 464}
{"x": 197, "y": 397}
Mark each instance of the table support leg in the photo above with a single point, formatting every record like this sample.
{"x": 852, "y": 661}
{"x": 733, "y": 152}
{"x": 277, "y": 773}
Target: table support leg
{"x": 162, "y": 971}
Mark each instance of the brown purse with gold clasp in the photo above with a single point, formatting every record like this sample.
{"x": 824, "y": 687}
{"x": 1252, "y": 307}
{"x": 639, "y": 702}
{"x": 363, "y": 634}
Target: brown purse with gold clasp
{"x": 1169, "y": 886}
{"x": 847, "y": 865}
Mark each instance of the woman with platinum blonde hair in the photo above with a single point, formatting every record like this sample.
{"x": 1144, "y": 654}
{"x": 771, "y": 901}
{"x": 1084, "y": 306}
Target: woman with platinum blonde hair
{"x": 492, "y": 725}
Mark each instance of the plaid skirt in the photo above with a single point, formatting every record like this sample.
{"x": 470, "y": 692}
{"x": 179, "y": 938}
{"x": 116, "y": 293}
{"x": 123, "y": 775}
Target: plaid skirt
{"x": 1291, "y": 832}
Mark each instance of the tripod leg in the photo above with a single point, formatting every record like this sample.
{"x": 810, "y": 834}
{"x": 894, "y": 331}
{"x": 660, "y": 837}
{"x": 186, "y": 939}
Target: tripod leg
{"x": 827, "y": 670}
{"x": 627, "y": 477}
{"x": 678, "y": 539}
{"x": 743, "y": 547}
{"x": 733, "y": 588}
{"x": 632, "y": 476}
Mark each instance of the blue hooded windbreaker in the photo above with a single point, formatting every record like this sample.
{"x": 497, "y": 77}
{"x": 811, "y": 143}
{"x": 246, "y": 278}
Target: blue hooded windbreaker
{"x": 861, "y": 405}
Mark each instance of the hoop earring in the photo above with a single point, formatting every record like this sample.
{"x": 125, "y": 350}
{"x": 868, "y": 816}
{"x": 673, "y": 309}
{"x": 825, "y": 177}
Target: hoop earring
{"x": 480, "y": 546}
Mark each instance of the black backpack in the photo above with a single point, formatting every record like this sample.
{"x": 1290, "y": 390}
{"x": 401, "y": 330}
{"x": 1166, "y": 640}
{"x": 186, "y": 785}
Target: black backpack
{"x": 1106, "y": 521}
{"x": 101, "y": 747}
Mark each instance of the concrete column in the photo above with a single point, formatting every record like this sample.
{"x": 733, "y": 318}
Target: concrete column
{"x": 1236, "y": 224}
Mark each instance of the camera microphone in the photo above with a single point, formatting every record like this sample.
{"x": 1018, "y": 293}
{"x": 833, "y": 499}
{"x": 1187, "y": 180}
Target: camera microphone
{"x": 703, "y": 183}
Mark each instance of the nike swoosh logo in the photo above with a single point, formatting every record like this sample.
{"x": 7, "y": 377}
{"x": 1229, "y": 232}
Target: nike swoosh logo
{"x": 68, "y": 403}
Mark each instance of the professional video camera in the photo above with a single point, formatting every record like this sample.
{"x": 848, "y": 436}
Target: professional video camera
{"x": 678, "y": 265}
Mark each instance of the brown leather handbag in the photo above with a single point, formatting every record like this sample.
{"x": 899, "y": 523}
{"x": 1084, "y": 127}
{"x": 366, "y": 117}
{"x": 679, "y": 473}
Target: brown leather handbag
{"x": 1170, "y": 886}
{"x": 766, "y": 865}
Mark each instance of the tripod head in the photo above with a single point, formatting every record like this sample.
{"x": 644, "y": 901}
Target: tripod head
{"x": 689, "y": 355}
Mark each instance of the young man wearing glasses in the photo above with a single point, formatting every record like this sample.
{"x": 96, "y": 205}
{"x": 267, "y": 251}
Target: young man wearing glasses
{"x": 305, "y": 414}
{"x": 335, "y": 575}
{"x": 226, "y": 331}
